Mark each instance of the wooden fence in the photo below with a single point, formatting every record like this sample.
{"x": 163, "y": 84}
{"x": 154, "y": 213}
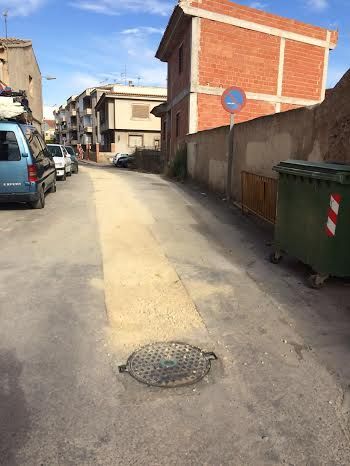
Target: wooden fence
{"x": 259, "y": 196}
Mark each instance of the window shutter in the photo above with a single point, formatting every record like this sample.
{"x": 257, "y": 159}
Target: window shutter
{"x": 140, "y": 111}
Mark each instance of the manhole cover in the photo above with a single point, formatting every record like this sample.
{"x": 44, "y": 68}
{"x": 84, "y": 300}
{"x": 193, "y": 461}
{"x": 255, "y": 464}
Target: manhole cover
{"x": 168, "y": 364}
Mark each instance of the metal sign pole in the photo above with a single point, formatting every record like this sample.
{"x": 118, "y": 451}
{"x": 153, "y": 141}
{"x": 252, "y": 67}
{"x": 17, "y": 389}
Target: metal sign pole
{"x": 233, "y": 100}
{"x": 230, "y": 158}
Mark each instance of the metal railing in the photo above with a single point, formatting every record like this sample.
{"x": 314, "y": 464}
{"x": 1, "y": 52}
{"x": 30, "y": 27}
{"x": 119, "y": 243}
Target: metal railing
{"x": 259, "y": 195}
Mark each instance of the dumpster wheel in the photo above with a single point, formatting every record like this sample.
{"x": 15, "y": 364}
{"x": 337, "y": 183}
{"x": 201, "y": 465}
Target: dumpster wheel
{"x": 276, "y": 257}
{"x": 317, "y": 281}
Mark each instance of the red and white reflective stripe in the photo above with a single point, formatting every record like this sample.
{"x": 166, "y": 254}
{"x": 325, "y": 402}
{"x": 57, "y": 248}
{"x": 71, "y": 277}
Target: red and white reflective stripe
{"x": 333, "y": 212}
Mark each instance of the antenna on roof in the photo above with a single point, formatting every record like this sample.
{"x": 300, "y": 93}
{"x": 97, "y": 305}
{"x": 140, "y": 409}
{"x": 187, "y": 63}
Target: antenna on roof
{"x": 124, "y": 75}
{"x": 5, "y": 15}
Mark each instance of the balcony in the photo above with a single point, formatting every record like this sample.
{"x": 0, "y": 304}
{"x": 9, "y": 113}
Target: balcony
{"x": 73, "y": 113}
{"x": 73, "y": 127}
{"x": 87, "y": 111}
{"x": 88, "y": 129}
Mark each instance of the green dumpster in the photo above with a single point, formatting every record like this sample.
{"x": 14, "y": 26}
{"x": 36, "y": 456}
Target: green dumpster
{"x": 313, "y": 217}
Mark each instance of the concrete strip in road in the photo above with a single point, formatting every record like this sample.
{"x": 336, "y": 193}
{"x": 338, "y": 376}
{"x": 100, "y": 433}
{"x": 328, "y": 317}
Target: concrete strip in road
{"x": 146, "y": 301}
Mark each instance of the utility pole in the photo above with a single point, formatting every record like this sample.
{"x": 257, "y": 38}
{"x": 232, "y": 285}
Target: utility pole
{"x": 5, "y": 15}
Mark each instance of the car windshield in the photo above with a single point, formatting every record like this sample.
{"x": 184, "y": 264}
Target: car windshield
{"x": 70, "y": 150}
{"x": 55, "y": 151}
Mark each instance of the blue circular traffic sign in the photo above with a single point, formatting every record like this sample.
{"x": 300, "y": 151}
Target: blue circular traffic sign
{"x": 233, "y": 99}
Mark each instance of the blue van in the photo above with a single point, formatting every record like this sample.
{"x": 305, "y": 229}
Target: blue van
{"x": 27, "y": 170}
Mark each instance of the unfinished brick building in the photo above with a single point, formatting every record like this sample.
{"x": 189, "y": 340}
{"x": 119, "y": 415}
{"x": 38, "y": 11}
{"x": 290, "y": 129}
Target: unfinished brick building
{"x": 212, "y": 44}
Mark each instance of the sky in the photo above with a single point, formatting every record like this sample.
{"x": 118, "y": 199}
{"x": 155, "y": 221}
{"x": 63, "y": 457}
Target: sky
{"x": 84, "y": 43}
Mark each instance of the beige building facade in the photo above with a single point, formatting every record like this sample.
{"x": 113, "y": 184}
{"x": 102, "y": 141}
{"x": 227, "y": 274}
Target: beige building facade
{"x": 19, "y": 69}
{"x": 126, "y": 121}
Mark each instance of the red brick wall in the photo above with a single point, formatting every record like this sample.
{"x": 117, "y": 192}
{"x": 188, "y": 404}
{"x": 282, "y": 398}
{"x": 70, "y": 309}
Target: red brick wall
{"x": 261, "y": 17}
{"x": 303, "y": 70}
{"x": 231, "y": 55}
{"x": 182, "y": 108}
{"x": 211, "y": 113}
{"x": 180, "y": 81}
{"x": 286, "y": 107}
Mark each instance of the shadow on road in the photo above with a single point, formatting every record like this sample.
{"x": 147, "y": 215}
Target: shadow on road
{"x": 14, "y": 415}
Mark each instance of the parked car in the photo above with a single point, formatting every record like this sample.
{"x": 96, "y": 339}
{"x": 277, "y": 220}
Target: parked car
{"x": 117, "y": 157}
{"x": 62, "y": 160}
{"x": 74, "y": 158}
{"x": 27, "y": 170}
{"x": 126, "y": 161}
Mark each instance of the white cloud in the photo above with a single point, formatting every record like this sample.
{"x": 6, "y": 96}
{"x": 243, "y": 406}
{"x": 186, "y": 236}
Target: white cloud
{"x": 21, "y": 7}
{"x": 115, "y": 7}
{"x": 318, "y": 5}
{"x": 143, "y": 30}
{"x": 258, "y": 5}
{"x": 103, "y": 8}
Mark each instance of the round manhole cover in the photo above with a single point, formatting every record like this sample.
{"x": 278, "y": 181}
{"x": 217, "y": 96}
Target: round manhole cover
{"x": 168, "y": 364}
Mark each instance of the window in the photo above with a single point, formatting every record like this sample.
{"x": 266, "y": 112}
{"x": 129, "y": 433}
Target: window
{"x": 70, "y": 150}
{"x": 9, "y": 150}
{"x": 156, "y": 143}
{"x": 181, "y": 58}
{"x": 36, "y": 144}
{"x": 30, "y": 86}
{"x": 135, "y": 140}
{"x": 140, "y": 111}
{"x": 55, "y": 151}
{"x": 177, "y": 125}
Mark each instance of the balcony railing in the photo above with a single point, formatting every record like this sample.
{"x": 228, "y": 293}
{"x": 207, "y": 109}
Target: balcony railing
{"x": 87, "y": 111}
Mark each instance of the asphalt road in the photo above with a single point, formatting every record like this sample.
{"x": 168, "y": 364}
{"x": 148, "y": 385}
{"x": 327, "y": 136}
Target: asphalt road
{"x": 277, "y": 395}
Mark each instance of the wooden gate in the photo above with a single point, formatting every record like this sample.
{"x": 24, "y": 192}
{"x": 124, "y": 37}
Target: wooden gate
{"x": 259, "y": 196}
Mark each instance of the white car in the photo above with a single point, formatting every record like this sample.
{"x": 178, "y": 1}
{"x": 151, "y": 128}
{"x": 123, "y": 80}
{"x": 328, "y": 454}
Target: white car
{"x": 63, "y": 162}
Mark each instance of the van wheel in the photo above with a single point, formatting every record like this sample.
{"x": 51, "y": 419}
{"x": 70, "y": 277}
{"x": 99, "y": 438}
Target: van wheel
{"x": 69, "y": 173}
{"x": 64, "y": 177}
{"x": 40, "y": 203}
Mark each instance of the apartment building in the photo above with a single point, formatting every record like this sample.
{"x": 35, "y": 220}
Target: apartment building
{"x": 76, "y": 122}
{"x": 19, "y": 69}
{"x": 95, "y": 97}
{"x": 61, "y": 125}
{"x": 126, "y": 120}
{"x": 213, "y": 44}
{"x": 72, "y": 121}
{"x": 84, "y": 117}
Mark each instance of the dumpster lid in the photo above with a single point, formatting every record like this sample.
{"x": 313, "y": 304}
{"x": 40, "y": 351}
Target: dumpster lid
{"x": 329, "y": 171}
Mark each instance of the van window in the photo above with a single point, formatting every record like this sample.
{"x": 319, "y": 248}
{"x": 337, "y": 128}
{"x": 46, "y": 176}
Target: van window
{"x": 37, "y": 148}
{"x": 9, "y": 150}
